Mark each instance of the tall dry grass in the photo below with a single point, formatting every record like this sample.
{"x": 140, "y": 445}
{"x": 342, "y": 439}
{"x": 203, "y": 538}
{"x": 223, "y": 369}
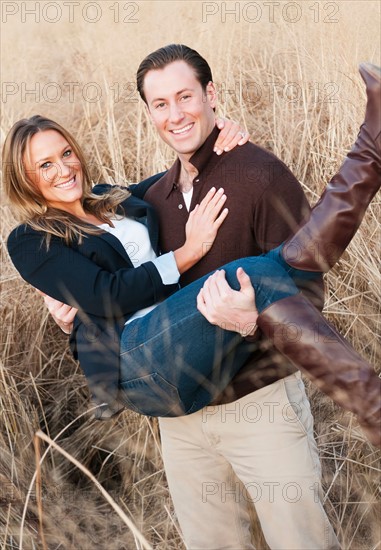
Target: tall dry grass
{"x": 305, "y": 105}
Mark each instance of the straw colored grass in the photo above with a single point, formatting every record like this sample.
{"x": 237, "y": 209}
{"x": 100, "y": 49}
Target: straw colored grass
{"x": 306, "y": 105}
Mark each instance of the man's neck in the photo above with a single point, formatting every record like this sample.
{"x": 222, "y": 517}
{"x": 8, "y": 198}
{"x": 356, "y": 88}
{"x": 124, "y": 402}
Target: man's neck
{"x": 187, "y": 174}
{"x": 188, "y": 170}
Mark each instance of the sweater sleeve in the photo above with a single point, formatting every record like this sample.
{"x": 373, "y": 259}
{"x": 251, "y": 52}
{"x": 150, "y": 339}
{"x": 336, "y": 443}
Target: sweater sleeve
{"x": 280, "y": 209}
{"x": 140, "y": 189}
{"x": 137, "y": 189}
{"x": 67, "y": 275}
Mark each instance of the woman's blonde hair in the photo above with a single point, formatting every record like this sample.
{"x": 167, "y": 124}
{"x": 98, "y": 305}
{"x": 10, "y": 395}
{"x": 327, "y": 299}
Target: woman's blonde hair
{"x": 31, "y": 207}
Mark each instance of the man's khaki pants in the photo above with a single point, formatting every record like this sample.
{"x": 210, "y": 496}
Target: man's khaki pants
{"x": 264, "y": 439}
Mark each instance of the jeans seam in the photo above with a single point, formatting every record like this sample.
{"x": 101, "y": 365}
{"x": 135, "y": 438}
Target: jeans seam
{"x": 158, "y": 334}
{"x": 152, "y": 377}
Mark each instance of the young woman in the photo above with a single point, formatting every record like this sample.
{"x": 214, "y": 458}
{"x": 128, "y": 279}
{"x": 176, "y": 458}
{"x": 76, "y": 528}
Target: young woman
{"x": 162, "y": 357}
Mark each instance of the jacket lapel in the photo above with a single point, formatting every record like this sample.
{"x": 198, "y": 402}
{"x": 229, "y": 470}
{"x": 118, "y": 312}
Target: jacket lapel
{"x": 115, "y": 243}
{"x": 140, "y": 211}
{"x": 144, "y": 213}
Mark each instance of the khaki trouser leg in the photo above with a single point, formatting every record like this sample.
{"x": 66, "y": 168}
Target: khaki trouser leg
{"x": 196, "y": 475}
{"x": 267, "y": 438}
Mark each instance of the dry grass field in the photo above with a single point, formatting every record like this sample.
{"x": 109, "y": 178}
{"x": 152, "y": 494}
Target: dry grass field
{"x": 289, "y": 74}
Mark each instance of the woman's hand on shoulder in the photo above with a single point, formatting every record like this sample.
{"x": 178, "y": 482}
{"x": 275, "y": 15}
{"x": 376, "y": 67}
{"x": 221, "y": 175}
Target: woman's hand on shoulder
{"x": 229, "y": 309}
{"x": 231, "y": 134}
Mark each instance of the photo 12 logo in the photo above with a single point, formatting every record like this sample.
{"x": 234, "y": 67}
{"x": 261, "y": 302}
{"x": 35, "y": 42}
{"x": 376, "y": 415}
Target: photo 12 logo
{"x": 70, "y": 92}
{"x": 272, "y": 12}
{"x": 68, "y": 11}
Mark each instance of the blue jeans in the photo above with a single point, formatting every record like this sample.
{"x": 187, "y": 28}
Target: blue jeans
{"x": 174, "y": 362}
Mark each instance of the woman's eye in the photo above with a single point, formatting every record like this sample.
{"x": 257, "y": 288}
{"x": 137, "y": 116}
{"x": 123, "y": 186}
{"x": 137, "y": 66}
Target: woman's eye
{"x": 185, "y": 97}
{"x": 46, "y": 164}
{"x": 67, "y": 153}
{"x": 160, "y": 105}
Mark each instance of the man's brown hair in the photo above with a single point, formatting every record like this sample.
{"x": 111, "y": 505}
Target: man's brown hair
{"x": 168, "y": 54}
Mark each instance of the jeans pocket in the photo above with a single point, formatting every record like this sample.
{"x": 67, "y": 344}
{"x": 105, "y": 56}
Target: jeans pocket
{"x": 152, "y": 395}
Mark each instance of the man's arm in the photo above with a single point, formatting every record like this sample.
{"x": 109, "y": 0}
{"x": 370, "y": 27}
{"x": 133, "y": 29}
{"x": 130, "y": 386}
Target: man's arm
{"x": 63, "y": 315}
{"x": 230, "y": 309}
{"x": 140, "y": 189}
{"x": 281, "y": 208}
{"x": 137, "y": 189}
{"x": 278, "y": 214}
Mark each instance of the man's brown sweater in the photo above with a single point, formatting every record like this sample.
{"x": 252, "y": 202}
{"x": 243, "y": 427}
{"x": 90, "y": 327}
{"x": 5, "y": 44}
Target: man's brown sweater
{"x": 266, "y": 204}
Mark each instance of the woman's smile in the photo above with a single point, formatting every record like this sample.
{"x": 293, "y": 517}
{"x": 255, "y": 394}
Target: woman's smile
{"x": 55, "y": 170}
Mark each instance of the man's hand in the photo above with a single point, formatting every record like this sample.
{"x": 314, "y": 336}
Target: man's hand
{"x": 229, "y": 309}
{"x": 231, "y": 135}
{"x": 62, "y": 314}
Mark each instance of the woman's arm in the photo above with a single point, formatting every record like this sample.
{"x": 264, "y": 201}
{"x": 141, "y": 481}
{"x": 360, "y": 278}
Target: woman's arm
{"x": 201, "y": 229}
{"x": 70, "y": 277}
{"x": 231, "y": 134}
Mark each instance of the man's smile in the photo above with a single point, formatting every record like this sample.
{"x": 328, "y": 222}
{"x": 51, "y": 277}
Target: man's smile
{"x": 183, "y": 130}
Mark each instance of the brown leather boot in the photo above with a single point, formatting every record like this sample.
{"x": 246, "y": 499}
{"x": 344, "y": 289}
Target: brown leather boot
{"x": 296, "y": 328}
{"x": 301, "y": 333}
{"x": 320, "y": 242}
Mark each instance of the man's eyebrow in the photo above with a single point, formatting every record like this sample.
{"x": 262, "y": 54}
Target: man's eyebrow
{"x": 185, "y": 90}
{"x": 177, "y": 93}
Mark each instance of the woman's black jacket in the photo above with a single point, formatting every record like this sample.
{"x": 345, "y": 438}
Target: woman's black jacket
{"x": 98, "y": 277}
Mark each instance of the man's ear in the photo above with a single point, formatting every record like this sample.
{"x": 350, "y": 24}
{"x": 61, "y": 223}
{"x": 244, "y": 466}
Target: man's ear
{"x": 211, "y": 94}
{"x": 148, "y": 112}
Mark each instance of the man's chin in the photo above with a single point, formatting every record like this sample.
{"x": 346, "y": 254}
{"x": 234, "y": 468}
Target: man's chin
{"x": 187, "y": 149}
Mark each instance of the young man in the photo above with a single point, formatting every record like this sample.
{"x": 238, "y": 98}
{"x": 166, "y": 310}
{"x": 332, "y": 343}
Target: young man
{"x": 265, "y": 434}
{"x": 256, "y": 443}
